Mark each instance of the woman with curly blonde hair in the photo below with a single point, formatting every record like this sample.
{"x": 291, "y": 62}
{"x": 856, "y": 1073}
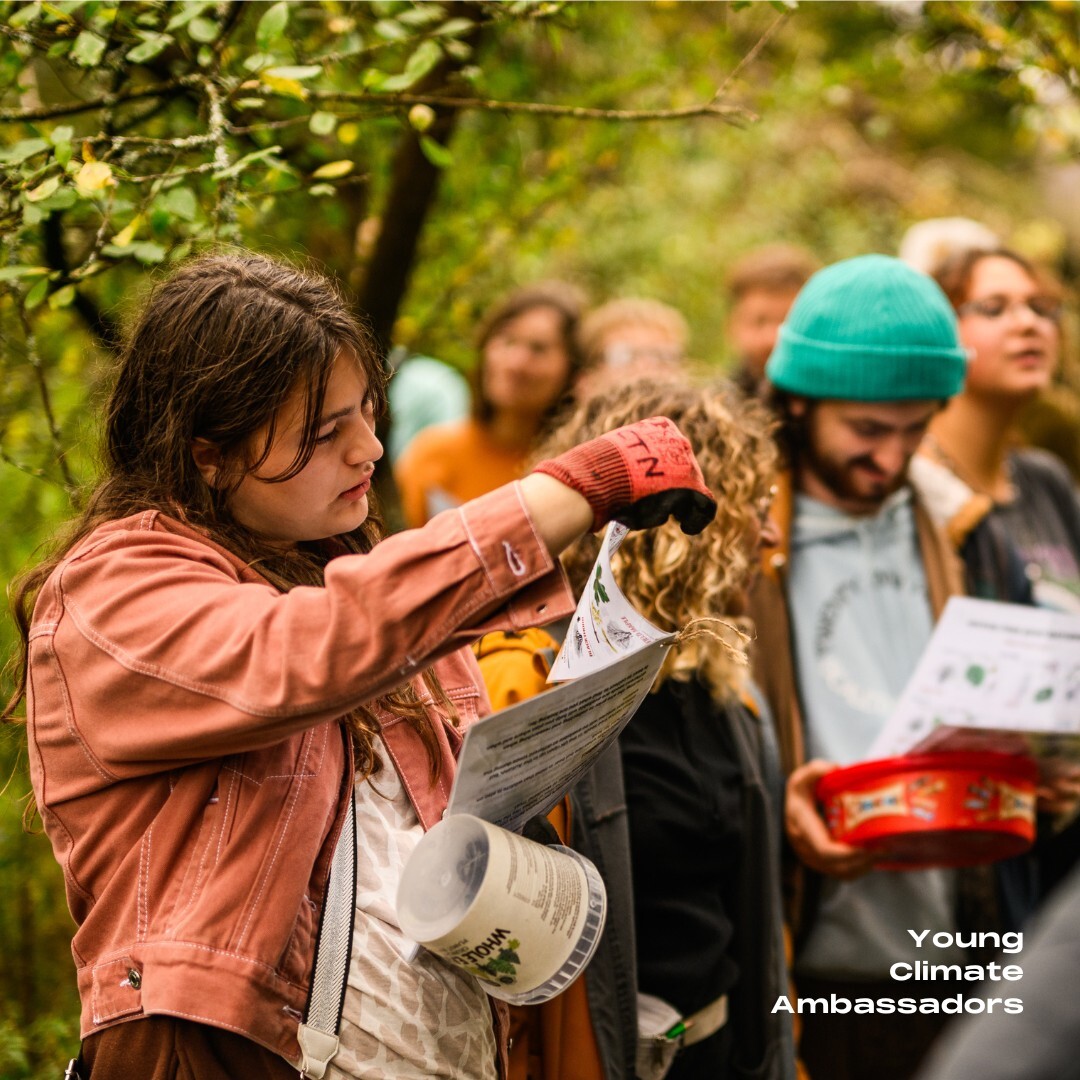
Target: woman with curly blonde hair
{"x": 699, "y": 763}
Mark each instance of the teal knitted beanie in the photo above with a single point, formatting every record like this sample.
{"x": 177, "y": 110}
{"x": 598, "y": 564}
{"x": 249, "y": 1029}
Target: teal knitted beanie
{"x": 869, "y": 329}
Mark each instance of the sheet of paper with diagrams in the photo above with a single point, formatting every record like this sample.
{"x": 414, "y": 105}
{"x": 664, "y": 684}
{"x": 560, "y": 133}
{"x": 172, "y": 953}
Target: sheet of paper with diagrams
{"x": 993, "y": 676}
{"x": 520, "y": 761}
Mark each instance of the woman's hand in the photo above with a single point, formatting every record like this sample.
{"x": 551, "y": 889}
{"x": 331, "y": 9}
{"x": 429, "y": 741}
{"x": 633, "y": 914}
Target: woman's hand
{"x": 808, "y": 833}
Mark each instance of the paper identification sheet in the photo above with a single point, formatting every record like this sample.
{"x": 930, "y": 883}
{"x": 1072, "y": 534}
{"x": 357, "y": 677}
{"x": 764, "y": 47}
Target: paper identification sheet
{"x": 605, "y": 626}
{"x": 518, "y": 762}
{"x": 992, "y": 677}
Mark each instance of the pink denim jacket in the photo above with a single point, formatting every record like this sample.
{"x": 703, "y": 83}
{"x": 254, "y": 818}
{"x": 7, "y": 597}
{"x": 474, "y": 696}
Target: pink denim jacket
{"x": 186, "y": 755}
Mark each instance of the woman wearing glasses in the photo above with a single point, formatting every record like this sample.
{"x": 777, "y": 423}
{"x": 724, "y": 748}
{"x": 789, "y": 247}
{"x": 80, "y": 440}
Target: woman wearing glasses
{"x": 1010, "y": 321}
{"x": 1012, "y": 512}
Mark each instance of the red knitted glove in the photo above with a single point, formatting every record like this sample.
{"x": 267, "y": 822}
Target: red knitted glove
{"x": 638, "y": 475}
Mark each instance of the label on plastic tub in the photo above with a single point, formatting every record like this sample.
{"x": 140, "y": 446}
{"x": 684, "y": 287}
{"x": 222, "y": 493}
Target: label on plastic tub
{"x": 513, "y": 913}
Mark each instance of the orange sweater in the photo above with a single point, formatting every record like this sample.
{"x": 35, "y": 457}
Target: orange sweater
{"x": 448, "y": 464}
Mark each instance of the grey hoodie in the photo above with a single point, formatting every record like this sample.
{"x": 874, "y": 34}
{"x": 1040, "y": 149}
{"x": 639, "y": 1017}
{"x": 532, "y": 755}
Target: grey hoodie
{"x": 861, "y": 618}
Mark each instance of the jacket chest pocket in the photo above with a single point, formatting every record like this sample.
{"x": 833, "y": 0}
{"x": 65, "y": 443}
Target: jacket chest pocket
{"x": 466, "y": 702}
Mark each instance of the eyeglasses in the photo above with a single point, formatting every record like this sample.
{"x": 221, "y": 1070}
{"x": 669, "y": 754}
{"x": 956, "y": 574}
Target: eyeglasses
{"x": 996, "y": 307}
{"x": 621, "y": 353}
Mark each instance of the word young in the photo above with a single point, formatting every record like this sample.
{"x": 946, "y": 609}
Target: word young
{"x": 1010, "y": 942}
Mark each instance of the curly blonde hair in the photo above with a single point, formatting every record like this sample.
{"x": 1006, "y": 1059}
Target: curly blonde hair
{"x": 671, "y": 578}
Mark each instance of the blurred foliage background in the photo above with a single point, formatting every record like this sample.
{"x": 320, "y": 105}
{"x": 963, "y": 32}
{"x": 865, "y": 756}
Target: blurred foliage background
{"x": 433, "y": 155}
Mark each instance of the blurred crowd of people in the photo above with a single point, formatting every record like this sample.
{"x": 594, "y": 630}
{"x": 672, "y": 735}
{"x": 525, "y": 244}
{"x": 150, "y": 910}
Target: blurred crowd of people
{"x": 868, "y": 452}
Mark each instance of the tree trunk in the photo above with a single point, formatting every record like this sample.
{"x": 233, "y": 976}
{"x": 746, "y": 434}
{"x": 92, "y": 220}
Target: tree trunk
{"x": 414, "y": 184}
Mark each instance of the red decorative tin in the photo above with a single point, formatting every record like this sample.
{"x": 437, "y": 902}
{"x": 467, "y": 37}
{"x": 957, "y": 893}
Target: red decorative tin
{"x": 944, "y": 809}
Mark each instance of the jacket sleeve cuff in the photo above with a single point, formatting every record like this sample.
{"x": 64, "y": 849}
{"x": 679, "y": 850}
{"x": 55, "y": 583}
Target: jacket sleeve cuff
{"x": 515, "y": 561}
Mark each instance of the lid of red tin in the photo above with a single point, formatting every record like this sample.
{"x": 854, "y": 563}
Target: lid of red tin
{"x": 1016, "y": 765}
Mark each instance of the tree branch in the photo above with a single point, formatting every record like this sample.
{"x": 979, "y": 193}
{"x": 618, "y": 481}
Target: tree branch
{"x": 69, "y": 483}
{"x": 732, "y": 114}
{"x": 105, "y": 101}
{"x": 753, "y": 54}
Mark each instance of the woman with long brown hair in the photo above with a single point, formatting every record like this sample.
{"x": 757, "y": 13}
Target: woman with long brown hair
{"x": 222, "y": 657}
{"x": 527, "y": 361}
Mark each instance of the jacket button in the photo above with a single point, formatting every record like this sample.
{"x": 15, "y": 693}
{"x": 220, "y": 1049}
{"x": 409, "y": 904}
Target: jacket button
{"x": 134, "y": 978}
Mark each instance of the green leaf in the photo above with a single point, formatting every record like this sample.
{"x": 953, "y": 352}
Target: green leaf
{"x": 36, "y": 294}
{"x": 426, "y": 56}
{"x": 62, "y": 199}
{"x": 12, "y": 273}
{"x": 43, "y": 190}
{"x": 61, "y": 134}
{"x": 148, "y": 252}
{"x": 459, "y": 50}
{"x": 143, "y": 251}
{"x": 320, "y": 190}
{"x": 257, "y": 61}
{"x": 149, "y": 47}
{"x": 203, "y": 30}
{"x": 423, "y": 15}
{"x": 181, "y": 202}
{"x": 322, "y": 123}
{"x": 187, "y": 12}
{"x": 238, "y": 166}
{"x": 389, "y": 30}
{"x": 272, "y": 25}
{"x": 297, "y": 72}
{"x": 62, "y": 298}
{"x": 24, "y": 16}
{"x": 22, "y": 150}
{"x": 88, "y": 49}
{"x": 454, "y": 27}
{"x": 435, "y": 152}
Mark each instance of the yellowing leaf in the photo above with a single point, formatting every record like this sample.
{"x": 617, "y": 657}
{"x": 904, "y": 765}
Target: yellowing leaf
{"x": 43, "y": 190}
{"x": 285, "y": 87}
{"x": 94, "y": 176}
{"x": 333, "y": 170}
{"x": 303, "y": 71}
{"x": 128, "y": 233}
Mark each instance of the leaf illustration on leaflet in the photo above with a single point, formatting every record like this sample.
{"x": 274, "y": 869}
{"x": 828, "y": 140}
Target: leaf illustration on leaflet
{"x": 599, "y": 592}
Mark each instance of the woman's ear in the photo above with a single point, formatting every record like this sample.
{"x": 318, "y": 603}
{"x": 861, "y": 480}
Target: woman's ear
{"x": 207, "y": 457}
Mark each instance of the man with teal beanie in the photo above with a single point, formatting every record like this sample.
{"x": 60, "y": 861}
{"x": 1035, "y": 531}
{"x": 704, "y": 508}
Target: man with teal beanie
{"x": 843, "y": 609}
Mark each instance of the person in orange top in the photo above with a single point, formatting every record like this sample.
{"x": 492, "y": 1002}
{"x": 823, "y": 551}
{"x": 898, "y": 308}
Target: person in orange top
{"x": 528, "y": 360}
